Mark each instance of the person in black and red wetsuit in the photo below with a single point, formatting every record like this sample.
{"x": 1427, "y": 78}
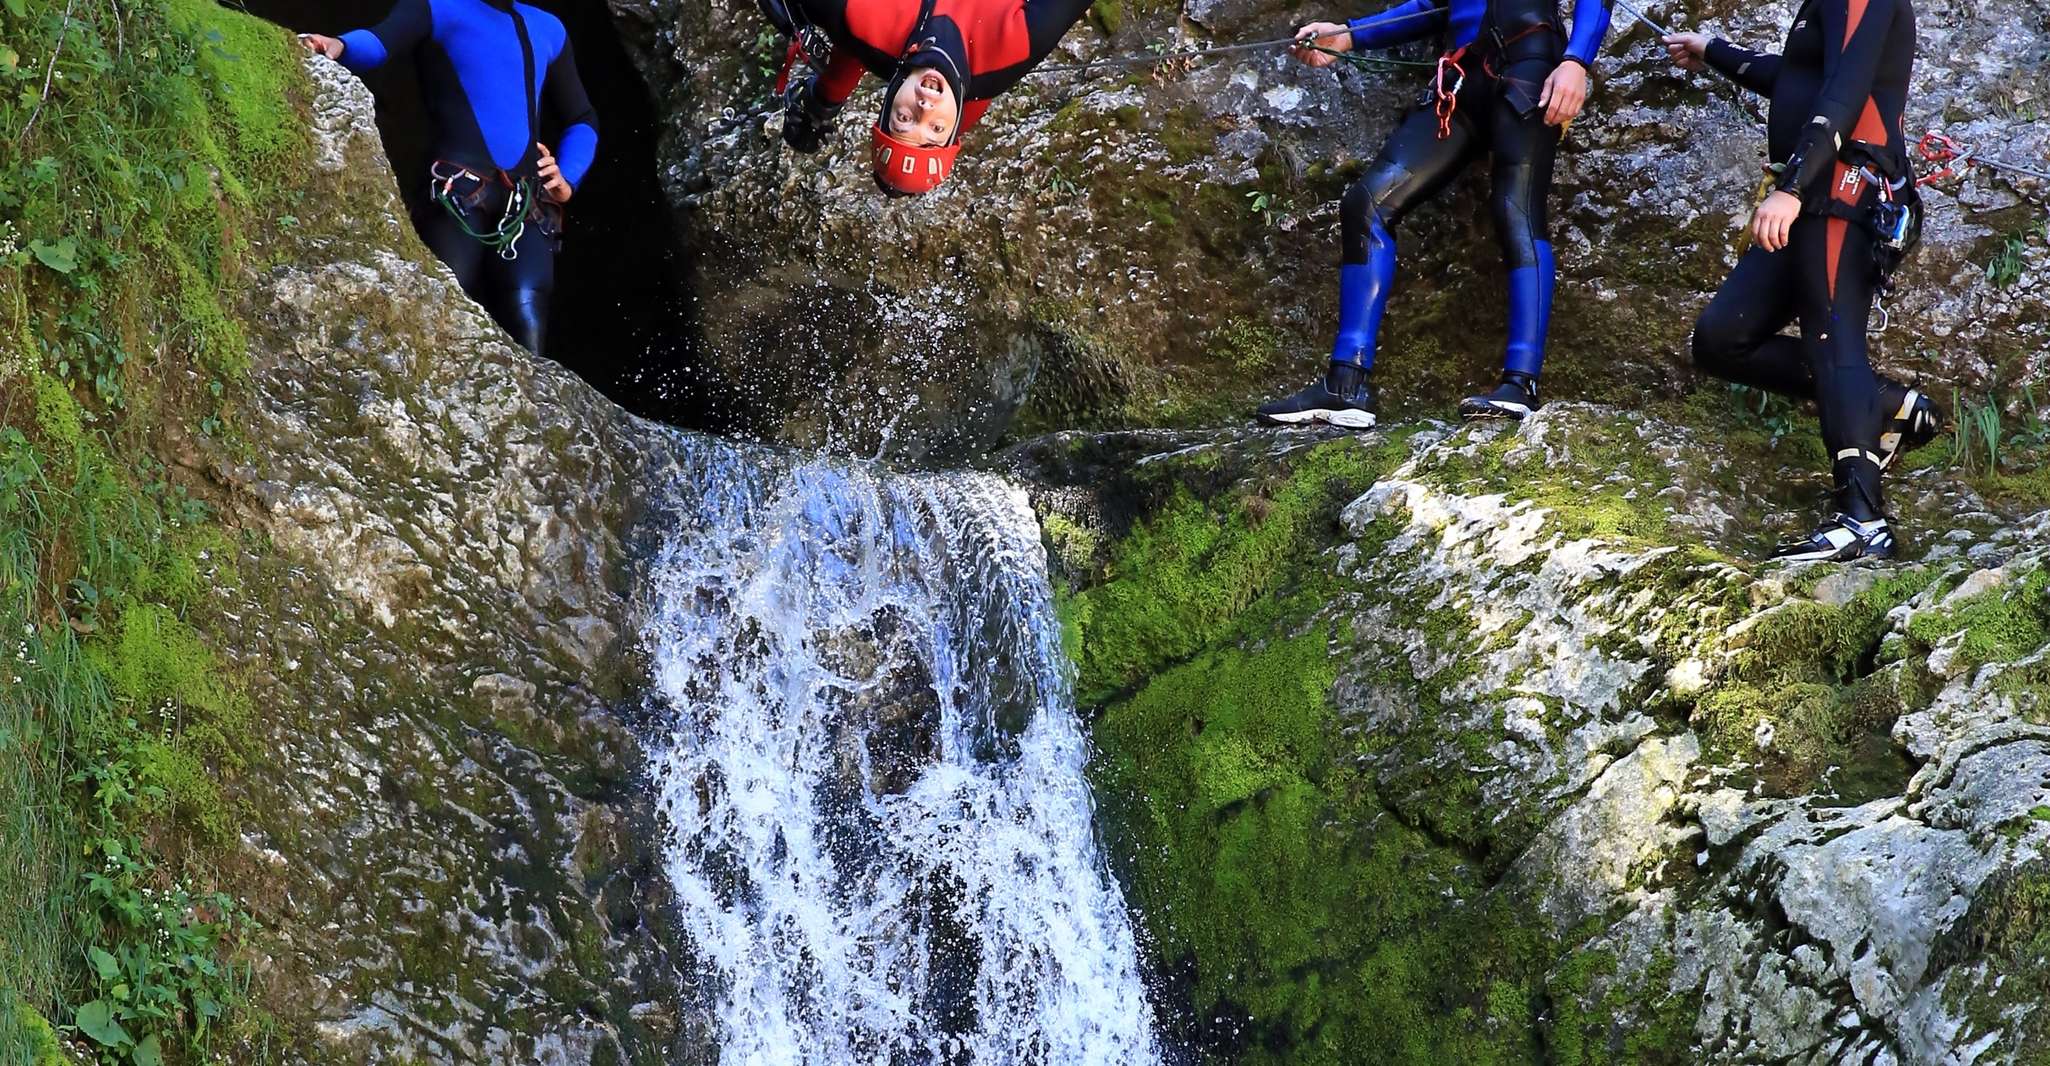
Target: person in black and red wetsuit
{"x": 1509, "y": 81}
{"x": 945, "y": 61}
{"x": 1839, "y": 151}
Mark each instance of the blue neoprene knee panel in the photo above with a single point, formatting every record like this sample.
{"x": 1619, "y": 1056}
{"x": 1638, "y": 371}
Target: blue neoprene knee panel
{"x": 1363, "y": 298}
{"x": 1530, "y": 313}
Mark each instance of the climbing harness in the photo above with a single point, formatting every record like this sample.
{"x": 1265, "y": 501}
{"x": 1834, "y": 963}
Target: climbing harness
{"x": 1953, "y": 159}
{"x": 520, "y": 202}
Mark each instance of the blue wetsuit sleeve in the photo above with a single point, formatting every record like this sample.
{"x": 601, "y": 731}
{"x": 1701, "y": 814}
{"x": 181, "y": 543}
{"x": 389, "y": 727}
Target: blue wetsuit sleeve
{"x": 1756, "y": 71}
{"x": 564, "y": 91}
{"x": 1407, "y": 22}
{"x": 409, "y": 23}
{"x": 1590, "y": 27}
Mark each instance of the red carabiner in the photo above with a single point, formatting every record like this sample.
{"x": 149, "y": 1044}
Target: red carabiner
{"x": 1448, "y": 102}
{"x": 1951, "y": 157}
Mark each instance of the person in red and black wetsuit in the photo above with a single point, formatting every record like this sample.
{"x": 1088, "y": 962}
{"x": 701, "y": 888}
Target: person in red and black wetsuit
{"x": 945, "y": 61}
{"x": 1839, "y": 150}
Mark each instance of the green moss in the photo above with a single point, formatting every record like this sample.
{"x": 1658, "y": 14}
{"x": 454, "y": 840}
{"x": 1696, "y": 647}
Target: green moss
{"x": 1635, "y": 1021}
{"x": 1314, "y": 916}
{"x": 26, "y": 1037}
{"x": 1999, "y": 625}
{"x": 1799, "y": 675}
{"x": 1608, "y": 489}
{"x": 2007, "y": 934}
{"x": 57, "y": 414}
{"x": 1196, "y": 568}
{"x": 171, "y": 140}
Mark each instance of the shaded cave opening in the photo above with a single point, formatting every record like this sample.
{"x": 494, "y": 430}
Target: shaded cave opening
{"x": 624, "y": 317}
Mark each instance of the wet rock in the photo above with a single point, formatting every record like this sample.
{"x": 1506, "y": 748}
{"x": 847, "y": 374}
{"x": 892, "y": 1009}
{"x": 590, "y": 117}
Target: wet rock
{"x": 1154, "y": 245}
{"x": 1570, "y": 704}
{"x": 450, "y": 869}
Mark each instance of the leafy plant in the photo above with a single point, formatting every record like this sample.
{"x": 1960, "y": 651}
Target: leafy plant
{"x": 1978, "y": 434}
{"x": 1773, "y": 414}
{"x": 146, "y": 141}
{"x": 1261, "y": 203}
{"x": 2009, "y": 262}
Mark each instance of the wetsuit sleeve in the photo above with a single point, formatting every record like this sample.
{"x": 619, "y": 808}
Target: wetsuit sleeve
{"x": 1047, "y": 21}
{"x": 409, "y": 23}
{"x": 1847, "y": 78}
{"x": 972, "y": 112}
{"x": 1756, "y": 71}
{"x": 843, "y": 72}
{"x": 1408, "y": 22}
{"x": 1590, "y": 27}
{"x": 564, "y": 91}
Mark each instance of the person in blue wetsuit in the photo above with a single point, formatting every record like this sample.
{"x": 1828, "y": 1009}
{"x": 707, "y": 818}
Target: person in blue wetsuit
{"x": 1508, "y": 82}
{"x": 494, "y": 213}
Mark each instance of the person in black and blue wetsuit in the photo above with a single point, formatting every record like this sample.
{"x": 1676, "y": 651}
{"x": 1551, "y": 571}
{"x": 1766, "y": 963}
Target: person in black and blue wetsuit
{"x": 1510, "y": 80}
{"x": 494, "y": 214}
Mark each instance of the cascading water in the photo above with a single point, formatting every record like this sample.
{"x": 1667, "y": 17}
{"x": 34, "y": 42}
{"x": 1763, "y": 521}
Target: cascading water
{"x": 873, "y": 778}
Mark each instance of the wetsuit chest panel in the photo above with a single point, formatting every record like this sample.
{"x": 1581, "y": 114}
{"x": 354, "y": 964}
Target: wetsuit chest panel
{"x": 883, "y": 27}
{"x": 482, "y": 48}
{"x": 995, "y": 33}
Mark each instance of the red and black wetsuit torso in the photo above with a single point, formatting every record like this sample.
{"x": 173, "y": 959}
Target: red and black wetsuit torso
{"x": 1838, "y": 92}
{"x": 993, "y": 42}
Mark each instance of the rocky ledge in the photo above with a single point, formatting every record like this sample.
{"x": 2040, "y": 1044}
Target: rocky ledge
{"x": 1493, "y": 744}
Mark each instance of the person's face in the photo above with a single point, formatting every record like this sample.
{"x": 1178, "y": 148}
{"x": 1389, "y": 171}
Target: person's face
{"x": 924, "y": 110}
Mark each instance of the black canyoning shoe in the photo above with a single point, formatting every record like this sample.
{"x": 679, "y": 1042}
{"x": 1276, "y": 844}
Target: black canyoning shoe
{"x": 1516, "y": 397}
{"x": 1839, "y": 539}
{"x": 1912, "y": 420}
{"x": 1344, "y": 397}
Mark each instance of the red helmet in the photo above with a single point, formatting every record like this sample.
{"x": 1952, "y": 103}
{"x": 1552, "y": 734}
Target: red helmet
{"x": 907, "y": 169}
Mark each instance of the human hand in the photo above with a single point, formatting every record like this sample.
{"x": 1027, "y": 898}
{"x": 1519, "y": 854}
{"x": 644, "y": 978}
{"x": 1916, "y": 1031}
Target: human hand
{"x": 1688, "y": 51}
{"x": 552, "y": 182}
{"x": 1565, "y": 93}
{"x": 1335, "y": 36}
{"x": 1774, "y": 218}
{"x": 322, "y": 45}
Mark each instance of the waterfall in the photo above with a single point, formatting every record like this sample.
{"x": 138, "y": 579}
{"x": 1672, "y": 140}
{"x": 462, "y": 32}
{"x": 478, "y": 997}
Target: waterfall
{"x": 872, "y": 773}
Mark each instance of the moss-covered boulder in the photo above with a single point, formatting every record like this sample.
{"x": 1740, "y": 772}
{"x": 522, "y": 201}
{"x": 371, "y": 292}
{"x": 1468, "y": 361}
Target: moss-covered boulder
{"x": 1495, "y": 744}
{"x": 1157, "y": 245}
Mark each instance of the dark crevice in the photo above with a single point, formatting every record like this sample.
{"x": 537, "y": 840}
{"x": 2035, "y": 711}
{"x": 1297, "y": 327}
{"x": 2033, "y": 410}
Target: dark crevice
{"x": 624, "y": 318}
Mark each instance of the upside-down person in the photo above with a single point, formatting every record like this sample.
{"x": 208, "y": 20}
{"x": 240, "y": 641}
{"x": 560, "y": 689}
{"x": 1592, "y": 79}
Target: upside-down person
{"x": 1841, "y": 212}
{"x": 944, "y": 61}
{"x": 496, "y": 192}
{"x": 1509, "y": 81}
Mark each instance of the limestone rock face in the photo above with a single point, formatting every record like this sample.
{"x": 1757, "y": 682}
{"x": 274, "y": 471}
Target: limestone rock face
{"x": 1152, "y": 245}
{"x": 1520, "y": 709}
{"x": 463, "y": 869}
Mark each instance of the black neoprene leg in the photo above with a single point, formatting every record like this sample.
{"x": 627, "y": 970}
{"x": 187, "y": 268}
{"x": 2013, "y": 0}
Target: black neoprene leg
{"x": 1834, "y": 286}
{"x": 1524, "y": 147}
{"x": 1737, "y": 338}
{"x": 517, "y": 290}
{"x": 1414, "y": 166}
{"x": 448, "y": 242}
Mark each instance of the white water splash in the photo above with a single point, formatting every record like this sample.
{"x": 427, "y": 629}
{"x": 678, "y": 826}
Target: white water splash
{"x": 880, "y": 829}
